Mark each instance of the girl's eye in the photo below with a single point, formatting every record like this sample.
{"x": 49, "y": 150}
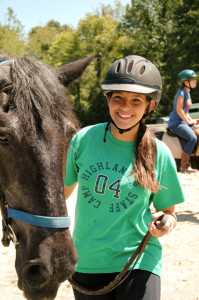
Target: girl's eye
{"x": 117, "y": 98}
{"x": 136, "y": 100}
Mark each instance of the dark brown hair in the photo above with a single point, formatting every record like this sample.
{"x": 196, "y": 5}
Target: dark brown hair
{"x": 145, "y": 159}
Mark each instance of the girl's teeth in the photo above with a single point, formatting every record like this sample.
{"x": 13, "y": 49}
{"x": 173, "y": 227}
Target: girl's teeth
{"x": 124, "y": 116}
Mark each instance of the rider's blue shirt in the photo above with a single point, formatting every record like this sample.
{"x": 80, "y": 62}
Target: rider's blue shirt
{"x": 175, "y": 119}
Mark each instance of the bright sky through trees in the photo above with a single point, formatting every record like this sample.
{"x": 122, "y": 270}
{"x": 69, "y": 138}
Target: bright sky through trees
{"x": 39, "y": 12}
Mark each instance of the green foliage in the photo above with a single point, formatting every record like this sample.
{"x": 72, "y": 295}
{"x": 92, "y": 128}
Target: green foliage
{"x": 95, "y": 34}
{"x": 164, "y": 31}
{"x": 184, "y": 43}
{"x": 41, "y": 38}
{"x": 11, "y": 36}
{"x": 65, "y": 48}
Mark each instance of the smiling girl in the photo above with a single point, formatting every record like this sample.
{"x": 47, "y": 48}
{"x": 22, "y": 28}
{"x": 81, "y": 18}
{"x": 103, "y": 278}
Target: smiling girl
{"x": 121, "y": 169}
{"x": 127, "y": 109}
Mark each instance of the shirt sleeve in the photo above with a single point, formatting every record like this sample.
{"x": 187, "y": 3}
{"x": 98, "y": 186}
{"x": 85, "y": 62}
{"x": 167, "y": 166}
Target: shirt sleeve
{"x": 71, "y": 176}
{"x": 171, "y": 192}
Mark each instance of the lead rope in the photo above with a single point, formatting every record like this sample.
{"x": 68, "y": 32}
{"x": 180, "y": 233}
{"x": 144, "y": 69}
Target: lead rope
{"x": 5, "y": 229}
{"x": 8, "y": 232}
{"x": 124, "y": 274}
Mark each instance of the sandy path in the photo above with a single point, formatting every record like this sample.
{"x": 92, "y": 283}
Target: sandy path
{"x": 180, "y": 275}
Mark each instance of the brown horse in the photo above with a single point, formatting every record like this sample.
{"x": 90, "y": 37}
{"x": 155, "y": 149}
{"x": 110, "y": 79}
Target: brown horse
{"x": 36, "y": 126}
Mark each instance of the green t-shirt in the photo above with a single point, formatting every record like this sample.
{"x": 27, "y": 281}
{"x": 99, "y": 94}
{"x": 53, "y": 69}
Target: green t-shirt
{"x": 112, "y": 210}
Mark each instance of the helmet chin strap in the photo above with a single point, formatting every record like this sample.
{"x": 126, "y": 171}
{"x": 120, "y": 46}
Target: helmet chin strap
{"x": 121, "y": 131}
{"x": 189, "y": 87}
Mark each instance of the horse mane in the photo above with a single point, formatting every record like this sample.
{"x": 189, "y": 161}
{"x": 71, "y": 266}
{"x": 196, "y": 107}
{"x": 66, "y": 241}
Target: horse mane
{"x": 37, "y": 93}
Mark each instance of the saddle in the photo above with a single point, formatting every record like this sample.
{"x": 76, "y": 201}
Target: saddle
{"x": 182, "y": 141}
{"x": 159, "y": 135}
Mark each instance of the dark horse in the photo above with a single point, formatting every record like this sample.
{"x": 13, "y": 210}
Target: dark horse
{"x": 36, "y": 126}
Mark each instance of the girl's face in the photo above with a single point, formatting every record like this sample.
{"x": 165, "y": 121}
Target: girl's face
{"x": 126, "y": 109}
{"x": 191, "y": 83}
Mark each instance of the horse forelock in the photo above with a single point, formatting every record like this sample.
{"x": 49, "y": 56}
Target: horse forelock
{"x": 37, "y": 93}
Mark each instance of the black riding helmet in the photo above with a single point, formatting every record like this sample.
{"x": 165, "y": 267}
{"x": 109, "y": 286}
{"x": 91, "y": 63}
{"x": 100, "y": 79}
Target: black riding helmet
{"x": 134, "y": 74}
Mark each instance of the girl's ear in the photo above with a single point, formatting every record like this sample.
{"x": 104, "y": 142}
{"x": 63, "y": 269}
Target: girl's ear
{"x": 186, "y": 82}
{"x": 108, "y": 96}
{"x": 152, "y": 105}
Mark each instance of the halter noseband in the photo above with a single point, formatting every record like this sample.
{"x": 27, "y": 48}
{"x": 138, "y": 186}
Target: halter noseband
{"x": 43, "y": 221}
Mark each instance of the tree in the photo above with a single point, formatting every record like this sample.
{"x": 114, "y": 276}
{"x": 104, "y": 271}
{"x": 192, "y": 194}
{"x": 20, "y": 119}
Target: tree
{"x": 95, "y": 34}
{"x": 11, "y": 36}
{"x": 165, "y": 32}
{"x": 41, "y": 38}
{"x": 182, "y": 52}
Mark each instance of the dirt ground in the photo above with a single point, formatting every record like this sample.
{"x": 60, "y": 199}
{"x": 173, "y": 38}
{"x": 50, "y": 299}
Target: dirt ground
{"x": 180, "y": 275}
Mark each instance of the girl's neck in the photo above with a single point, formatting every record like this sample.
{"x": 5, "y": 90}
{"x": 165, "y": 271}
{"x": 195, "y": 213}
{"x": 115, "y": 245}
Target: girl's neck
{"x": 187, "y": 89}
{"x": 128, "y": 136}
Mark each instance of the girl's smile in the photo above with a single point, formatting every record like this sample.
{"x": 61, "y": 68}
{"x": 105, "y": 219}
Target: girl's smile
{"x": 124, "y": 116}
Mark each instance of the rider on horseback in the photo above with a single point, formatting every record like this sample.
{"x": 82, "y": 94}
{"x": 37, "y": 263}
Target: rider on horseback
{"x": 180, "y": 121}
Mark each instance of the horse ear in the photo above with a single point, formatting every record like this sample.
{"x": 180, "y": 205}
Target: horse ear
{"x": 71, "y": 71}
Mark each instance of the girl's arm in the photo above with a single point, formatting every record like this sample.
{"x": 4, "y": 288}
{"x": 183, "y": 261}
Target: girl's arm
{"x": 189, "y": 117}
{"x": 68, "y": 190}
{"x": 181, "y": 113}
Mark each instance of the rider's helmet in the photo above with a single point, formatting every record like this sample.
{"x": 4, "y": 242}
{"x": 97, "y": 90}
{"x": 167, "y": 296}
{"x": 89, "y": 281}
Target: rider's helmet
{"x": 135, "y": 74}
{"x": 185, "y": 75}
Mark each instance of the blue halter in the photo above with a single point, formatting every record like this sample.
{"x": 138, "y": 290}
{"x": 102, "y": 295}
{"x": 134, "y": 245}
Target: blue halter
{"x": 4, "y": 62}
{"x": 51, "y": 222}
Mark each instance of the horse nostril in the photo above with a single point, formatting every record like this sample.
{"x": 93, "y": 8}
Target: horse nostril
{"x": 35, "y": 275}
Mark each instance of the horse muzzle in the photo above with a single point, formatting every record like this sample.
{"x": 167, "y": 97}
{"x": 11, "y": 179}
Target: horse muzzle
{"x": 39, "y": 281}
{"x": 41, "y": 272}
{"x": 36, "y": 274}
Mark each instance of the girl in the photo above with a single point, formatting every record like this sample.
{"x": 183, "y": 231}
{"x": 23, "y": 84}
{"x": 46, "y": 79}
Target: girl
{"x": 180, "y": 121}
{"x": 121, "y": 169}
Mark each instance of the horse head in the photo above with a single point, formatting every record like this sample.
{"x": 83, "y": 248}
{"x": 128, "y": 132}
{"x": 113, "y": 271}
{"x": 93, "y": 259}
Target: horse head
{"x": 36, "y": 126}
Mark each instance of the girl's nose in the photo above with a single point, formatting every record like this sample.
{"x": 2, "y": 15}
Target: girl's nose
{"x": 125, "y": 104}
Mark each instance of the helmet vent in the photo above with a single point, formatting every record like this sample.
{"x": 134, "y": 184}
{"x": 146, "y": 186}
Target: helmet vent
{"x": 130, "y": 66}
{"x": 117, "y": 69}
{"x": 142, "y": 70}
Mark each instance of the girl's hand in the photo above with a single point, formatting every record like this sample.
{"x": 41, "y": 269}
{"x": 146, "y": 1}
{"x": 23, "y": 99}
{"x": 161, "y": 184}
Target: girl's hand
{"x": 192, "y": 122}
{"x": 164, "y": 230}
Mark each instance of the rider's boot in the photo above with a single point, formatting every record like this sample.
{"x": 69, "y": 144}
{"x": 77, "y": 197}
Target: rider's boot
{"x": 185, "y": 166}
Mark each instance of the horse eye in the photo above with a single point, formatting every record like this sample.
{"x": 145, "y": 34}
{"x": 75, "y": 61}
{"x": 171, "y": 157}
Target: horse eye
{"x": 7, "y": 92}
{"x": 3, "y": 139}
